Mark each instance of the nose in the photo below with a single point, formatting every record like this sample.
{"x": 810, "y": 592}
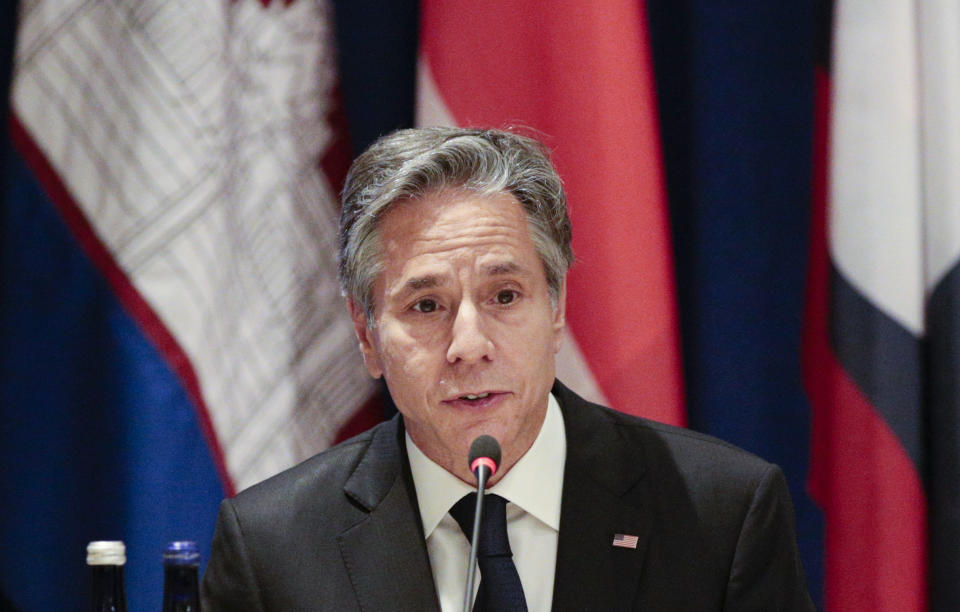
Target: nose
{"x": 469, "y": 341}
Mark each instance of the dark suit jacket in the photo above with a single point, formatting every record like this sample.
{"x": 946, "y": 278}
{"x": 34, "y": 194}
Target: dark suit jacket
{"x": 341, "y": 531}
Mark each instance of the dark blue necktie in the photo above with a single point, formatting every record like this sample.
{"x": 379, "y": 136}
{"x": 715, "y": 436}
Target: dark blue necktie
{"x": 500, "y": 589}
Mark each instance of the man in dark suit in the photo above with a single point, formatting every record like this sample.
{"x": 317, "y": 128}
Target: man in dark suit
{"x": 454, "y": 248}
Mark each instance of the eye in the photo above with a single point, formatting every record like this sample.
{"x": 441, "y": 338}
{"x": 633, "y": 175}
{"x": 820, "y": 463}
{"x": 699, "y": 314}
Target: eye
{"x": 506, "y": 296}
{"x": 425, "y": 306}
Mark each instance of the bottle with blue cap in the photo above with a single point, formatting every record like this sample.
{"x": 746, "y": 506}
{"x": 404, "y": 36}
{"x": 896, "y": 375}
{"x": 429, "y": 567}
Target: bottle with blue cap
{"x": 181, "y": 585}
{"x": 106, "y": 560}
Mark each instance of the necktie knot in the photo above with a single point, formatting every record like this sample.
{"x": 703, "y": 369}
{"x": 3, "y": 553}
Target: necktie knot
{"x": 493, "y": 524}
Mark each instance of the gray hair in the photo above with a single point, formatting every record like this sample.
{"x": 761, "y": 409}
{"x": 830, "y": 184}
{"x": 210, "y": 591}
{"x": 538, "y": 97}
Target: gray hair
{"x": 414, "y": 163}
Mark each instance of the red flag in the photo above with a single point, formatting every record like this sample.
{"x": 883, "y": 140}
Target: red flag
{"x": 580, "y": 74}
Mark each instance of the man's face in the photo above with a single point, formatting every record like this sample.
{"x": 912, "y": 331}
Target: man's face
{"x": 465, "y": 332}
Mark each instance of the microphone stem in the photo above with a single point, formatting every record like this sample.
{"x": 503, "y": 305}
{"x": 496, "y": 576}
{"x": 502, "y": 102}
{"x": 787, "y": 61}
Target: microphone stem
{"x": 482, "y": 475}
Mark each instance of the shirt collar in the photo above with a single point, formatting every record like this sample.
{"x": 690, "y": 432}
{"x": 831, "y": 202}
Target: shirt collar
{"x": 535, "y": 482}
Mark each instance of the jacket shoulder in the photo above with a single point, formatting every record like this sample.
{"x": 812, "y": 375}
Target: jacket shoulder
{"x": 316, "y": 482}
{"x": 694, "y": 451}
{"x": 698, "y": 459}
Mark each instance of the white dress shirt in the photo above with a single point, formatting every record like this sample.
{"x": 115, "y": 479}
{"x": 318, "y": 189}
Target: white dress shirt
{"x": 533, "y": 488}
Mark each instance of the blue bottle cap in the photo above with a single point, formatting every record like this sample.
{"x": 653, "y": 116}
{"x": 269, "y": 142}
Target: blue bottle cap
{"x": 181, "y": 553}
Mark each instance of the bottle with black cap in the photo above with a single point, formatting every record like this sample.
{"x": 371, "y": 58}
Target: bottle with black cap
{"x": 181, "y": 563}
{"x": 106, "y": 561}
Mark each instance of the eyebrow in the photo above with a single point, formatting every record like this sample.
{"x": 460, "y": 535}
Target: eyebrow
{"x": 422, "y": 282}
{"x": 498, "y": 269}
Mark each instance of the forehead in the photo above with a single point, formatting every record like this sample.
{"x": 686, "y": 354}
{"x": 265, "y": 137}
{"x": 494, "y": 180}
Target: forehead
{"x": 448, "y": 220}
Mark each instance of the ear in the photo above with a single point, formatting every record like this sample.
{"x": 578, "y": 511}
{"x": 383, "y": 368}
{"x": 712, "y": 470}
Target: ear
{"x": 560, "y": 316}
{"x": 366, "y": 337}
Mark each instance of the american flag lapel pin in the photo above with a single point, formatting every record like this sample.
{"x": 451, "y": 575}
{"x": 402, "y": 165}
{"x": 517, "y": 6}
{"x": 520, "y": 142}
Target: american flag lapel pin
{"x": 623, "y": 540}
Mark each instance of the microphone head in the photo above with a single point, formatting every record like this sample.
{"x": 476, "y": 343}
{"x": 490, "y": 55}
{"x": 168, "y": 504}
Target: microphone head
{"x": 485, "y": 450}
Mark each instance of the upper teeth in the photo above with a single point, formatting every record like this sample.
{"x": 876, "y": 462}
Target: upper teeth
{"x": 481, "y": 396}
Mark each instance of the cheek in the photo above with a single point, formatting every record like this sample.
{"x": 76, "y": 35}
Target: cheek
{"x": 405, "y": 361}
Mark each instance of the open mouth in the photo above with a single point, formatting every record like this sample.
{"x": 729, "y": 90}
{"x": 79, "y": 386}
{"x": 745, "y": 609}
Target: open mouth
{"x": 477, "y": 400}
{"x": 471, "y": 397}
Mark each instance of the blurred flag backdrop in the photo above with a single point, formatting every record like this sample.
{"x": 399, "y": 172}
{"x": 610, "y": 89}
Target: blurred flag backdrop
{"x": 171, "y": 329}
{"x": 882, "y": 347}
{"x": 580, "y": 74}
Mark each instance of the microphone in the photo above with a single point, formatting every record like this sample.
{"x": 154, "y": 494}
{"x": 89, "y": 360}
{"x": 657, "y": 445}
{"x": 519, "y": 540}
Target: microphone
{"x": 484, "y": 453}
{"x": 484, "y": 460}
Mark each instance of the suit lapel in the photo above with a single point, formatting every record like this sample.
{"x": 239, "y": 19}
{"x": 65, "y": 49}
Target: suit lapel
{"x": 385, "y": 554}
{"x": 604, "y": 494}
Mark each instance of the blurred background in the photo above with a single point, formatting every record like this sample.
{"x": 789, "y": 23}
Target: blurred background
{"x": 766, "y": 210}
